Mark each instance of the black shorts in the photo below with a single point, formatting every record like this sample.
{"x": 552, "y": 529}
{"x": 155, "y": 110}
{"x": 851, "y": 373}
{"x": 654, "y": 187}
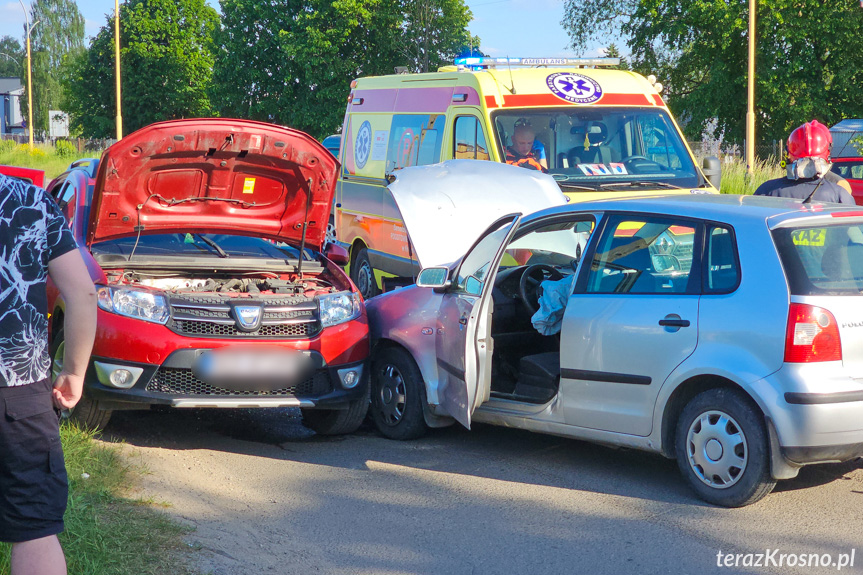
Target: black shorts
{"x": 33, "y": 482}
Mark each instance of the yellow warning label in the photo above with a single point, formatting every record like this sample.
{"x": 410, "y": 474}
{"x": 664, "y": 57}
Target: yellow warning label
{"x": 249, "y": 186}
{"x": 810, "y": 237}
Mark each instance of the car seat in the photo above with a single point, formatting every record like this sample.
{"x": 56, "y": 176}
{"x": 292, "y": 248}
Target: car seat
{"x": 592, "y": 148}
{"x": 637, "y": 260}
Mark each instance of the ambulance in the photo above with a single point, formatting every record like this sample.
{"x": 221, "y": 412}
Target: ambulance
{"x": 599, "y": 132}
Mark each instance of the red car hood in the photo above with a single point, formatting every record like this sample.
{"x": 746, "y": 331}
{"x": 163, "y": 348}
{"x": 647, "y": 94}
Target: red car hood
{"x": 214, "y": 176}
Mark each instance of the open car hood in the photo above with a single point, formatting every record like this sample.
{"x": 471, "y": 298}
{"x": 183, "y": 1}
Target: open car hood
{"x": 214, "y": 176}
{"x": 447, "y": 206}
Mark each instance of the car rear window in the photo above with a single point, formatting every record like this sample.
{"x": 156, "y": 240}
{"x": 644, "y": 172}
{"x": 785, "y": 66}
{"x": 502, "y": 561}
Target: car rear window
{"x": 822, "y": 260}
{"x": 852, "y": 170}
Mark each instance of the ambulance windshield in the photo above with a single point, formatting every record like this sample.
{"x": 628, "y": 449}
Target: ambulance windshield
{"x": 612, "y": 148}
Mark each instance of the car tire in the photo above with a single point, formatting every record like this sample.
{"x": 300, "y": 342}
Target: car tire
{"x": 396, "y": 384}
{"x": 723, "y": 450}
{"x": 330, "y": 236}
{"x": 337, "y": 421}
{"x": 363, "y": 274}
{"x": 87, "y": 413}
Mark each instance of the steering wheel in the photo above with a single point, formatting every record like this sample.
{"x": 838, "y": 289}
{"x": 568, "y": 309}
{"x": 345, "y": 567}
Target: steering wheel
{"x": 531, "y": 278}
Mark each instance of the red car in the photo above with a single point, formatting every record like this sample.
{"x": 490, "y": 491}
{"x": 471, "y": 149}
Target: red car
{"x": 205, "y": 241}
{"x": 29, "y": 175}
{"x": 852, "y": 170}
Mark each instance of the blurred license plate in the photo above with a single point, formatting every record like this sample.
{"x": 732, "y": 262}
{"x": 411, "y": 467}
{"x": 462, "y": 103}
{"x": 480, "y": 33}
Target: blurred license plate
{"x": 252, "y": 369}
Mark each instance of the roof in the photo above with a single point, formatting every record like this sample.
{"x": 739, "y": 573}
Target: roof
{"x": 10, "y": 84}
{"x": 727, "y": 208}
{"x": 843, "y": 133}
{"x": 854, "y": 125}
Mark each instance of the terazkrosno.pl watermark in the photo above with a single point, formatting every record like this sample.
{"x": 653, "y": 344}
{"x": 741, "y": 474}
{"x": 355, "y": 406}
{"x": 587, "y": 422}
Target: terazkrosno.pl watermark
{"x": 776, "y": 558}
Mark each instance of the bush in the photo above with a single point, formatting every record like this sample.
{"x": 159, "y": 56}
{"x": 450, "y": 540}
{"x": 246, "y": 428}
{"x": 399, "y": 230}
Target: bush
{"x": 7, "y": 146}
{"x": 65, "y": 149}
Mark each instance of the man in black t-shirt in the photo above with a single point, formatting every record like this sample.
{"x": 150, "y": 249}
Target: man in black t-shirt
{"x": 36, "y": 242}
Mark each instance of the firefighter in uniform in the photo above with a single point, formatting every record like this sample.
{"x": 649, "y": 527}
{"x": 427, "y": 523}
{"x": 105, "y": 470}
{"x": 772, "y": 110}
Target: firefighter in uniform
{"x": 808, "y": 169}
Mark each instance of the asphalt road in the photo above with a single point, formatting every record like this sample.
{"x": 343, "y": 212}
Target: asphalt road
{"x": 266, "y": 495}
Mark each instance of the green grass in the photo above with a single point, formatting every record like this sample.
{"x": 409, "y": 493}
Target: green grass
{"x": 42, "y": 157}
{"x": 107, "y": 532}
{"x": 735, "y": 180}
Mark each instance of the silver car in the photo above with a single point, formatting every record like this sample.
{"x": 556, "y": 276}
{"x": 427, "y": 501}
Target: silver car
{"x": 723, "y": 331}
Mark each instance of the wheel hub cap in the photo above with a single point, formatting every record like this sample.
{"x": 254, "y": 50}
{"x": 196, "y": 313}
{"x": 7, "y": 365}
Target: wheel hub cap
{"x": 717, "y": 449}
{"x": 392, "y": 395}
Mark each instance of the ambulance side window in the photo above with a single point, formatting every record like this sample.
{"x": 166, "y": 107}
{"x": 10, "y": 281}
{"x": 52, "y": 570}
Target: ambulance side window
{"x": 415, "y": 140}
{"x": 469, "y": 143}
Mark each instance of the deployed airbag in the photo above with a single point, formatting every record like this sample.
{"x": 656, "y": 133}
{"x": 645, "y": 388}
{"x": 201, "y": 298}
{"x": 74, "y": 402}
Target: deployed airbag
{"x": 552, "y": 304}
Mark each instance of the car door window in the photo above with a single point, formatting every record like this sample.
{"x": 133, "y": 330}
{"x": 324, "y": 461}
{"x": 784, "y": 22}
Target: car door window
{"x": 474, "y": 269}
{"x": 644, "y": 255}
{"x": 722, "y": 269}
{"x": 469, "y": 143}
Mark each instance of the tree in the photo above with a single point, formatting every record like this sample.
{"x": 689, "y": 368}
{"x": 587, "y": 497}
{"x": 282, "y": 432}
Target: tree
{"x": 11, "y": 57}
{"x": 167, "y": 61}
{"x": 809, "y": 58}
{"x": 59, "y": 33}
{"x": 435, "y": 31}
{"x": 292, "y": 61}
{"x": 614, "y": 52}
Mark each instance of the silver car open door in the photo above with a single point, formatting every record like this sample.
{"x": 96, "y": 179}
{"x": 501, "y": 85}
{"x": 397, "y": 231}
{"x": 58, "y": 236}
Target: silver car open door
{"x": 462, "y": 339}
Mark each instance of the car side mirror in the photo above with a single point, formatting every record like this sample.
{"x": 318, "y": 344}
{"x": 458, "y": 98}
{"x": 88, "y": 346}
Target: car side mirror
{"x": 336, "y": 254}
{"x": 712, "y": 168}
{"x": 436, "y": 277}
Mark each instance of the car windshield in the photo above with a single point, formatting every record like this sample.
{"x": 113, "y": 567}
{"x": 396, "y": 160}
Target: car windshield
{"x": 852, "y": 170}
{"x": 822, "y": 260}
{"x": 198, "y": 245}
{"x": 602, "y": 148}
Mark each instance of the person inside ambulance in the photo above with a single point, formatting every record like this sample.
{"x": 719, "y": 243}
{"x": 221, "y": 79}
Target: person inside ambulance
{"x": 526, "y": 151}
{"x": 808, "y": 168}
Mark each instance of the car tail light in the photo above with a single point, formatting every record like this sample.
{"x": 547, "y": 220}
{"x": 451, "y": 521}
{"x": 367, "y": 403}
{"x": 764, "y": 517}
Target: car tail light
{"x": 812, "y": 335}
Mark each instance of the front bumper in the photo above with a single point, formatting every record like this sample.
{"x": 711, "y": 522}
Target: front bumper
{"x": 174, "y": 384}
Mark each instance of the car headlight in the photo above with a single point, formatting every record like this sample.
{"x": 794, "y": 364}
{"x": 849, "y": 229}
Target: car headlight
{"x": 338, "y": 307}
{"x": 138, "y": 304}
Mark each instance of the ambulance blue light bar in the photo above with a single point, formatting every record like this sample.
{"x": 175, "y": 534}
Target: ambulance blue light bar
{"x": 470, "y": 61}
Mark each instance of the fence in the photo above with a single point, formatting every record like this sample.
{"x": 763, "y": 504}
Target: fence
{"x": 766, "y": 151}
{"x": 82, "y": 144}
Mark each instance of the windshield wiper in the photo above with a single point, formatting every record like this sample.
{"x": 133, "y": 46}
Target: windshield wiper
{"x": 641, "y": 184}
{"x": 565, "y": 184}
{"x": 222, "y": 253}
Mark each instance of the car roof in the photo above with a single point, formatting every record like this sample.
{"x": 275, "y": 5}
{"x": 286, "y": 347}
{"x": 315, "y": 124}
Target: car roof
{"x": 726, "y": 208}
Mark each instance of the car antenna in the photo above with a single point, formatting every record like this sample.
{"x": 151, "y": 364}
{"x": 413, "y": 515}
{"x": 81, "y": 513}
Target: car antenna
{"x": 821, "y": 181}
{"x": 511, "y": 81}
{"x": 305, "y": 227}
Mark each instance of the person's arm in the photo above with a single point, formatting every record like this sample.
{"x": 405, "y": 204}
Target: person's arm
{"x": 71, "y": 277}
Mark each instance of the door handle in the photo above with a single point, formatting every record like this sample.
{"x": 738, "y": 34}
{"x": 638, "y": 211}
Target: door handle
{"x": 674, "y": 322}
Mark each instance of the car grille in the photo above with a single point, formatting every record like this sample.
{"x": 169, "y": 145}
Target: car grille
{"x": 178, "y": 381}
{"x": 283, "y": 317}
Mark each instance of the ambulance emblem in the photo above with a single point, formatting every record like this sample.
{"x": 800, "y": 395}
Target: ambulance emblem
{"x": 574, "y": 88}
{"x": 363, "y": 144}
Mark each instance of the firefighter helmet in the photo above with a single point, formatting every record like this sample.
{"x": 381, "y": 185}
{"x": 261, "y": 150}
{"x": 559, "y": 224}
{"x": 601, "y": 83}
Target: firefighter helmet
{"x": 811, "y": 140}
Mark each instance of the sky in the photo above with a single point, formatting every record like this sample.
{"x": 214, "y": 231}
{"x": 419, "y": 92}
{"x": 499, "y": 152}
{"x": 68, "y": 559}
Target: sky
{"x": 517, "y": 28}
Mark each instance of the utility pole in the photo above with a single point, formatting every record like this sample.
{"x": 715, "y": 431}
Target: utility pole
{"x": 29, "y": 74}
{"x": 750, "y": 109}
{"x": 117, "y": 66}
